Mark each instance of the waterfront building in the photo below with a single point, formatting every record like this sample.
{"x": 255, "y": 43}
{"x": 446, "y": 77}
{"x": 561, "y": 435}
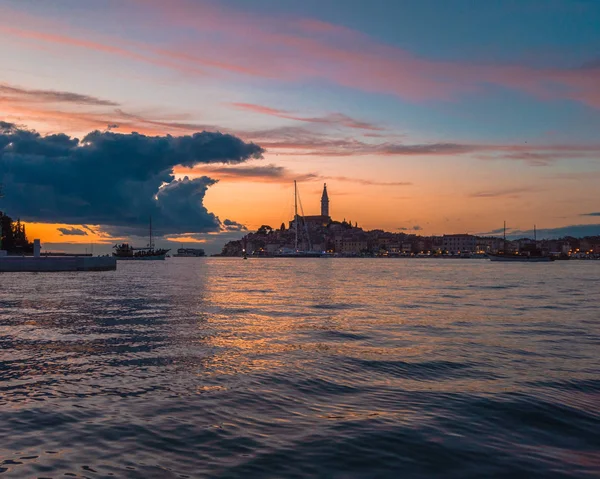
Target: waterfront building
{"x": 459, "y": 243}
{"x": 489, "y": 244}
{"x": 350, "y": 244}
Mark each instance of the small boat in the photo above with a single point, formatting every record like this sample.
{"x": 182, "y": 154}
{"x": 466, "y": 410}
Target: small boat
{"x": 296, "y": 252}
{"x": 125, "y": 251}
{"x": 532, "y": 255}
{"x": 189, "y": 253}
{"x": 522, "y": 258}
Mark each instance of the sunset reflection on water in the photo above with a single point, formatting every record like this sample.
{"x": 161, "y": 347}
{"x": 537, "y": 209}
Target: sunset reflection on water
{"x": 200, "y": 366}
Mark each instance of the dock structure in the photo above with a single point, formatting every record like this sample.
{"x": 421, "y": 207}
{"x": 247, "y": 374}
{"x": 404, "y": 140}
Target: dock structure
{"x": 47, "y": 264}
{"x": 29, "y": 264}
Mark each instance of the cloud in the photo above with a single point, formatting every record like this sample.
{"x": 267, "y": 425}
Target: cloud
{"x": 412, "y": 228}
{"x": 333, "y": 119}
{"x": 577, "y": 231}
{"x": 296, "y": 51}
{"x": 278, "y": 174}
{"x": 308, "y": 140}
{"x": 115, "y": 180}
{"x": 502, "y": 193}
{"x": 362, "y": 181}
{"x": 230, "y": 225}
{"x": 591, "y": 214}
{"x": 304, "y": 142}
{"x": 498, "y": 230}
{"x": 264, "y": 173}
{"x": 581, "y": 175}
{"x": 51, "y": 96}
{"x": 72, "y": 232}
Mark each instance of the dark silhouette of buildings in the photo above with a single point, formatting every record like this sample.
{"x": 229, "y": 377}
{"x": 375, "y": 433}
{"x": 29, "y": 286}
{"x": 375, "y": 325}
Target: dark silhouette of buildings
{"x": 319, "y": 233}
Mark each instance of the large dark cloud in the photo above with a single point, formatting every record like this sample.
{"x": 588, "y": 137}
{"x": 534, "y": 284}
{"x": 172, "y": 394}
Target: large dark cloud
{"x": 115, "y": 180}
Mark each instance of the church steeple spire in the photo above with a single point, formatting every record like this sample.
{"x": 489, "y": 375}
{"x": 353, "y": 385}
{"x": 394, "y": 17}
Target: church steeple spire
{"x": 324, "y": 202}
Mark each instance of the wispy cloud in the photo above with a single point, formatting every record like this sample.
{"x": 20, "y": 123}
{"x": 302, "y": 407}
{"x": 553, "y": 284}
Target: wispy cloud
{"x": 72, "y": 231}
{"x": 264, "y": 173}
{"x": 295, "y": 50}
{"x": 498, "y": 231}
{"x": 284, "y": 140}
{"x": 503, "y": 193}
{"x": 15, "y": 93}
{"x": 591, "y": 214}
{"x": 332, "y": 119}
{"x": 365, "y": 182}
{"x": 276, "y": 174}
{"x": 575, "y": 176}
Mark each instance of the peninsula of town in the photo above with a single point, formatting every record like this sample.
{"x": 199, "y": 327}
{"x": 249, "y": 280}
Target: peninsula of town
{"x": 321, "y": 234}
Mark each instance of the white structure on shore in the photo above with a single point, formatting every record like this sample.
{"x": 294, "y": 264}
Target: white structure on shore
{"x": 40, "y": 264}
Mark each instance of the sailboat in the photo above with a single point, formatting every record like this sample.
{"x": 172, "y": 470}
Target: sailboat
{"x": 532, "y": 255}
{"x": 297, "y": 252}
{"x": 125, "y": 251}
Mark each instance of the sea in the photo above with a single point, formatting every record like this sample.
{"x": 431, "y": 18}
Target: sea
{"x": 326, "y": 367}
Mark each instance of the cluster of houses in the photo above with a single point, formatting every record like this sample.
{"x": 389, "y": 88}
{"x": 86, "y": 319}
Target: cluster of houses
{"x": 320, "y": 234}
{"x": 347, "y": 239}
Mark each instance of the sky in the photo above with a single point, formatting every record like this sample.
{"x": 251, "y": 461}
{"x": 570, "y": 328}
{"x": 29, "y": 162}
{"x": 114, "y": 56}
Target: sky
{"x": 429, "y": 116}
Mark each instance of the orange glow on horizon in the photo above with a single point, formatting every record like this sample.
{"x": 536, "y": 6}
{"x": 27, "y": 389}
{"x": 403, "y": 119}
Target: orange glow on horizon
{"x": 49, "y": 233}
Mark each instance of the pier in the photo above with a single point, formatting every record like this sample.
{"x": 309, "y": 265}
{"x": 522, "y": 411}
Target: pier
{"x": 46, "y": 264}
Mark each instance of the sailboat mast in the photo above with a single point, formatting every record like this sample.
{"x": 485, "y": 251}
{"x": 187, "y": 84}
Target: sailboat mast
{"x": 150, "y": 233}
{"x": 296, "y": 213}
{"x": 535, "y": 234}
{"x": 504, "y": 243}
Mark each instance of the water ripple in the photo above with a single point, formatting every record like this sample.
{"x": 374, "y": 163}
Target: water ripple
{"x": 347, "y": 368}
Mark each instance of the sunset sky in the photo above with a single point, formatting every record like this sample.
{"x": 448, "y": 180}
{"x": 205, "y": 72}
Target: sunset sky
{"x": 436, "y": 116}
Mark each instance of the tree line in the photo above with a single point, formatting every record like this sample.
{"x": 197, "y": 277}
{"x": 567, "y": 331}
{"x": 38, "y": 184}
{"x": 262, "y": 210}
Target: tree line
{"x": 14, "y": 238}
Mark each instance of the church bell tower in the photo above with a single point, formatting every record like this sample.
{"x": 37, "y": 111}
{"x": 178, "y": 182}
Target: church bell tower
{"x": 325, "y": 202}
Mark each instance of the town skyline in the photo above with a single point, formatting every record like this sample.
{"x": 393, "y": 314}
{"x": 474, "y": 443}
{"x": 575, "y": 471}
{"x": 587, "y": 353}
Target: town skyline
{"x": 323, "y": 234}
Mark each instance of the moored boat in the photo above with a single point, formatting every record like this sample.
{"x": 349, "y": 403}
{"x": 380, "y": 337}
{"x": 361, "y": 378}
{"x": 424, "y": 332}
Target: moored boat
{"x": 531, "y": 255}
{"x": 296, "y": 252}
{"x": 124, "y": 251}
{"x": 520, "y": 258}
{"x": 285, "y": 253}
{"x": 189, "y": 253}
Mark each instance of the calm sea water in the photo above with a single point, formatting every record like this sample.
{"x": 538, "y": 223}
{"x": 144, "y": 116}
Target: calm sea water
{"x": 284, "y": 368}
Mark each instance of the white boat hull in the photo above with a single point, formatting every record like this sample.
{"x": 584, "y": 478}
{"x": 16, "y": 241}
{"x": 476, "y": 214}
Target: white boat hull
{"x": 158, "y": 257}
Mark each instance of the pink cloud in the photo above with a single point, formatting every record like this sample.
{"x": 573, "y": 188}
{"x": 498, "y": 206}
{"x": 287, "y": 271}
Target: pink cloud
{"x": 333, "y": 119}
{"x": 293, "y": 49}
{"x": 274, "y": 174}
{"x": 234, "y": 43}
